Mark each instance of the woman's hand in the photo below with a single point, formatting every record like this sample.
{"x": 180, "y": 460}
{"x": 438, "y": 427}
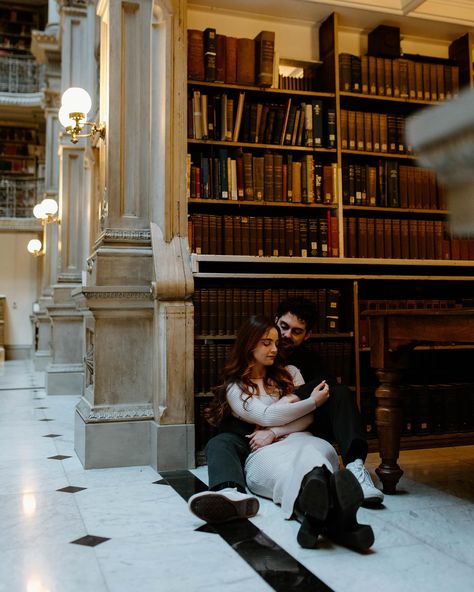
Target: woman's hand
{"x": 320, "y": 394}
{"x": 261, "y": 438}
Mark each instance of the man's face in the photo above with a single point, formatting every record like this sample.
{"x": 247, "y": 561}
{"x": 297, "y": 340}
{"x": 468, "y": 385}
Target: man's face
{"x": 293, "y": 331}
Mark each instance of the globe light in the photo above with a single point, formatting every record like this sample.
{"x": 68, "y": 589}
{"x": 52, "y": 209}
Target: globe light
{"x": 50, "y": 206}
{"x": 76, "y": 100}
{"x": 34, "y": 246}
{"x": 64, "y": 119}
{"x": 38, "y": 211}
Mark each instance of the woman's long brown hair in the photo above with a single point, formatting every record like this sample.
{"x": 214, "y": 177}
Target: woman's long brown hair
{"x": 239, "y": 366}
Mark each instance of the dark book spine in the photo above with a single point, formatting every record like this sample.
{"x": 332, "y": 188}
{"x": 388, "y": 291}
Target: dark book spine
{"x": 210, "y": 52}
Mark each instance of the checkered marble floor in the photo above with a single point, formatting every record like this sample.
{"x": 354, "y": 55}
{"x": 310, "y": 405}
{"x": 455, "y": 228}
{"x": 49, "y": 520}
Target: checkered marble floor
{"x": 65, "y": 529}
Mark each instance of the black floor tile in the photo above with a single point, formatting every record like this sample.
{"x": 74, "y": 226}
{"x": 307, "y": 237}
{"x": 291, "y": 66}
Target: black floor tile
{"x": 90, "y": 540}
{"x": 71, "y": 488}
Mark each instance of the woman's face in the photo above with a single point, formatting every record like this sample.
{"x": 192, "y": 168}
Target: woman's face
{"x": 267, "y": 348}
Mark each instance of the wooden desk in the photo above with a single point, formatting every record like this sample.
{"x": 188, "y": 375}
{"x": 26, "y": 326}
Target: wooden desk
{"x": 393, "y": 336}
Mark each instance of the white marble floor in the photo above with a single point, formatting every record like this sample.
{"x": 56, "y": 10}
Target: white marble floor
{"x": 424, "y": 536}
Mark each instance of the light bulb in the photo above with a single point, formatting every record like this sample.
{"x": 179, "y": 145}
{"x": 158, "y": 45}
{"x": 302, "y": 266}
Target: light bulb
{"x": 38, "y": 211}
{"x": 64, "y": 119}
{"x": 34, "y": 246}
{"x": 76, "y": 100}
{"x": 50, "y": 206}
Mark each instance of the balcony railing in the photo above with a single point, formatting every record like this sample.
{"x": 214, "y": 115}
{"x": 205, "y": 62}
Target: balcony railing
{"x": 19, "y": 196}
{"x": 20, "y": 74}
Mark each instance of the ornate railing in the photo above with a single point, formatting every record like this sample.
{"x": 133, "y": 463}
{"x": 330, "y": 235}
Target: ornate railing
{"x": 19, "y": 196}
{"x": 20, "y": 74}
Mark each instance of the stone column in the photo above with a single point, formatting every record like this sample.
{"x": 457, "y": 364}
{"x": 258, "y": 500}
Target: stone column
{"x": 45, "y": 47}
{"x": 65, "y": 374}
{"x": 136, "y": 406}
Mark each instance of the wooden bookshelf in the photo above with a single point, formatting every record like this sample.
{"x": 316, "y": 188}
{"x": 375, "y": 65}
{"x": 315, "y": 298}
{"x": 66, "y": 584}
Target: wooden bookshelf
{"x": 357, "y": 276}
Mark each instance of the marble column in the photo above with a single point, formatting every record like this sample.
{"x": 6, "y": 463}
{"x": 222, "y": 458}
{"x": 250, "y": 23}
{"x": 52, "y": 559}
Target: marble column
{"x": 45, "y": 47}
{"x": 65, "y": 374}
{"x": 137, "y": 405}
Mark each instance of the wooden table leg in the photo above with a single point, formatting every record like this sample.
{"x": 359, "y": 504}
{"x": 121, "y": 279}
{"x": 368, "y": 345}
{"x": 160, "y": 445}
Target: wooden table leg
{"x": 388, "y": 418}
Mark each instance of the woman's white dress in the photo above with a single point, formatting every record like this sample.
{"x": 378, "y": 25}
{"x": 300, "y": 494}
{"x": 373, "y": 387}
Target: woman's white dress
{"x": 277, "y": 470}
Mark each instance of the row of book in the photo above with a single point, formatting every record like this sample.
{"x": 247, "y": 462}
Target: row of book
{"x": 264, "y": 236}
{"x": 213, "y": 57}
{"x": 403, "y": 239}
{"x": 229, "y": 117}
{"x": 398, "y": 78}
{"x": 269, "y": 177}
{"x": 390, "y": 184}
{"x": 221, "y": 311}
{"x": 334, "y": 358}
{"x": 427, "y": 409}
{"x": 17, "y": 134}
{"x": 373, "y": 132}
{"x": 399, "y": 304}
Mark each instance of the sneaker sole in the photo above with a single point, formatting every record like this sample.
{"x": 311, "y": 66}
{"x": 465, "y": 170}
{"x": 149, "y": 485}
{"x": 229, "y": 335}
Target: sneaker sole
{"x": 216, "y": 508}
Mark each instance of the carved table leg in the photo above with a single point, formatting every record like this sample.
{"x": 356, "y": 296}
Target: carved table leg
{"x": 388, "y": 418}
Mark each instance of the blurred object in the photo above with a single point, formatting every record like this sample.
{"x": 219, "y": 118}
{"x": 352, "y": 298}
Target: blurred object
{"x": 443, "y": 139}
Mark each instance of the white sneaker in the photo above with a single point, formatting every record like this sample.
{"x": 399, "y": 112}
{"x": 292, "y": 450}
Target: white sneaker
{"x": 372, "y": 495}
{"x": 222, "y": 506}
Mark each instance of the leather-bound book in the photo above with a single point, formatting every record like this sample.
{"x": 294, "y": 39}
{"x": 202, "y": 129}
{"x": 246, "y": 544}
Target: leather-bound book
{"x": 264, "y": 56}
{"x": 212, "y": 311}
{"x": 413, "y": 239}
{"x": 230, "y": 60}
{"x": 278, "y": 177}
{"x": 246, "y": 61}
{"x": 379, "y": 239}
{"x": 220, "y": 57}
{"x": 362, "y": 237}
{"x": 195, "y": 54}
{"x": 403, "y": 185}
{"x": 228, "y": 235}
{"x": 248, "y": 176}
{"x": 313, "y": 238}
{"x": 396, "y": 244}
{"x": 245, "y": 230}
{"x": 388, "y": 238}
{"x": 210, "y": 52}
{"x": 303, "y": 236}
{"x": 268, "y": 177}
{"x": 430, "y": 239}
{"x": 290, "y": 236}
{"x": 258, "y": 177}
{"x": 253, "y": 250}
{"x": 404, "y": 239}
{"x": 268, "y": 238}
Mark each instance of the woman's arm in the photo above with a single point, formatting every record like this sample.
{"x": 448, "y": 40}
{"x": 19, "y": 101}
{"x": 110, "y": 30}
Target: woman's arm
{"x": 262, "y": 437}
{"x": 253, "y": 410}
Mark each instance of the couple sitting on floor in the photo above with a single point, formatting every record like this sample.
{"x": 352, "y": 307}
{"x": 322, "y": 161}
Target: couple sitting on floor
{"x": 275, "y": 433}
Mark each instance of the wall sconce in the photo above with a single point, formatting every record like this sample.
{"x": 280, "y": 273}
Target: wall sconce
{"x": 46, "y": 212}
{"x": 75, "y": 105}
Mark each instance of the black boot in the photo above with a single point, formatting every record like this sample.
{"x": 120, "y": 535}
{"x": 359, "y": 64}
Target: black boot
{"x": 312, "y": 506}
{"x": 342, "y": 526}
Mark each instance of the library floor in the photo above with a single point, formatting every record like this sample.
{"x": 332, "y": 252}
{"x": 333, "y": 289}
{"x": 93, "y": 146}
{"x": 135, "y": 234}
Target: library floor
{"x": 120, "y": 530}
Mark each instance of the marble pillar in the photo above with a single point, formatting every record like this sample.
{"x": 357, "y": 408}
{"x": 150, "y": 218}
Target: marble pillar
{"x": 137, "y": 406}
{"x": 65, "y": 373}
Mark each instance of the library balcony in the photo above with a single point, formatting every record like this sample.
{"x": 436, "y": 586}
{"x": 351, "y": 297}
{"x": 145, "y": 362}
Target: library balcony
{"x": 20, "y": 75}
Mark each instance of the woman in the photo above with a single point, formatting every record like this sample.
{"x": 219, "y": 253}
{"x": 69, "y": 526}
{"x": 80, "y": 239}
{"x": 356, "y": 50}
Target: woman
{"x": 287, "y": 463}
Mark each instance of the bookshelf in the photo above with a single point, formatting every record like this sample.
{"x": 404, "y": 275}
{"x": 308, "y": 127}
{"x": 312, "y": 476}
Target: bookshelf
{"x": 381, "y": 235}
{"x": 16, "y": 23}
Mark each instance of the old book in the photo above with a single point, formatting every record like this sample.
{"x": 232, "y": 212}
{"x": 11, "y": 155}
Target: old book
{"x": 318, "y": 127}
{"x": 388, "y": 77}
{"x": 396, "y": 238}
{"x": 351, "y": 130}
{"x": 379, "y": 239}
{"x": 330, "y": 128}
{"x": 268, "y": 177}
{"x": 248, "y": 176}
{"x": 380, "y": 70}
{"x": 228, "y": 235}
{"x": 246, "y": 61}
{"x": 245, "y": 232}
{"x": 403, "y": 185}
{"x": 355, "y": 74}
{"x": 210, "y": 51}
{"x": 352, "y": 237}
{"x": 403, "y": 78}
{"x": 430, "y": 239}
{"x": 372, "y": 75}
{"x": 238, "y": 117}
{"x": 393, "y": 198}
{"x": 195, "y": 54}
{"x": 413, "y": 239}
{"x": 404, "y": 240}
{"x": 368, "y": 132}
{"x": 333, "y": 224}
{"x": 371, "y": 176}
{"x": 296, "y": 182}
{"x": 278, "y": 177}
{"x": 382, "y": 183}
{"x": 318, "y": 182}
{"x": 230, "y": 60}
{"x": 220, "y": 57}
{"x": 345, "y": 72}
{"x": 383, "y": 130}
{"x": 264, "y": 55}
{"x": 360, "y": 138}
{"x": 362, "y": 237}
{"x": 303, "y": 237}
{"x": 314, "y": 248}
{"x": 364, "y": 75}
{"x": 344, "y": 129}
{"x": 258, "y": 177}
{"x": 290, "y": 124}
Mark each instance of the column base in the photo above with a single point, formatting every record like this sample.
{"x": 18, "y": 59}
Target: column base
{"x": 64, "y": 380}
{"x": 111, "y": 444}
{"x": 41, "y": 361}
{"x": 172, "y": 446}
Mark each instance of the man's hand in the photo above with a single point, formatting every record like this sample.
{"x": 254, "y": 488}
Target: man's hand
{"x": 320, "y": 394}
{"x": 260, "y": 438}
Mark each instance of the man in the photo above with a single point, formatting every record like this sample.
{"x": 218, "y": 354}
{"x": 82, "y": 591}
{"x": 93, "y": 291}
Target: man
{"x": 338, "y": 420}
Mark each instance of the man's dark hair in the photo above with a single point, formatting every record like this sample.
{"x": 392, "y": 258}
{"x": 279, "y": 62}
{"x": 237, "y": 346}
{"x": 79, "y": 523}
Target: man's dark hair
{"x": 302, "y": 308}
